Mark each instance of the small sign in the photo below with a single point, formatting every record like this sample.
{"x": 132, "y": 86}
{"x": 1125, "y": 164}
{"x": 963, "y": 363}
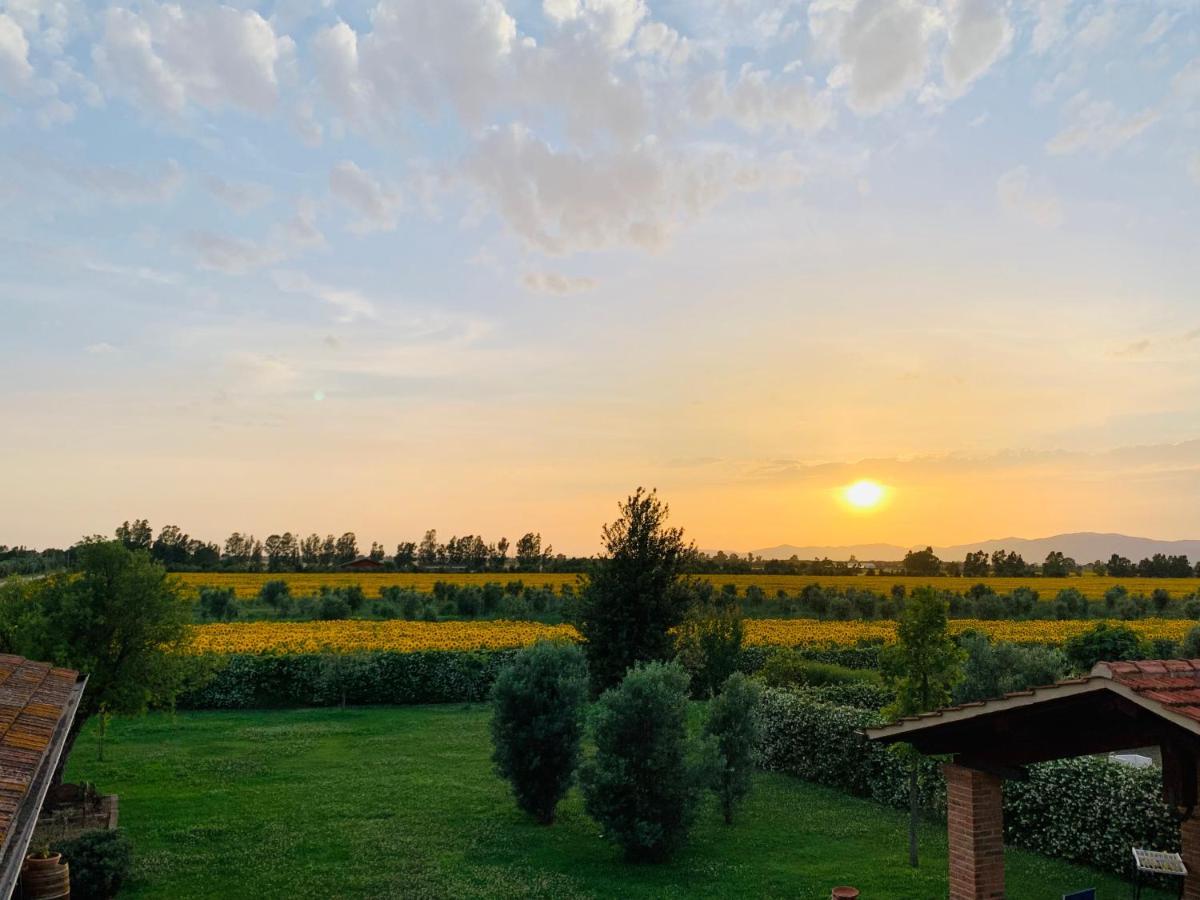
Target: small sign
{"x": 1087, "y": 894}
{"x": 1157, "y": 862}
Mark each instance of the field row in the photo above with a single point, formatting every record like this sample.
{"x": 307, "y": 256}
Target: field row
{"x": 248, "y": 584}
{"x": 355, "y": 635}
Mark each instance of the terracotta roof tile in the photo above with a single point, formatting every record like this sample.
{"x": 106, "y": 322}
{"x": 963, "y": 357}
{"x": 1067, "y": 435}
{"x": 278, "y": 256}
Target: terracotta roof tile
{"x": 33, "y": 698}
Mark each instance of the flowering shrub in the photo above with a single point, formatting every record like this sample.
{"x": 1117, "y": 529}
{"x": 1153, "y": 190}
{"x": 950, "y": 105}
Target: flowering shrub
{"x": 1088, "y": 810}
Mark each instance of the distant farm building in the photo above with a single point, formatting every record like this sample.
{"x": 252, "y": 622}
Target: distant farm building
{"x": 362, "y": 564}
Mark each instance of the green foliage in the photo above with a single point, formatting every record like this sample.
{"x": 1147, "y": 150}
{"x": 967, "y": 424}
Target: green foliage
{"x": 217, "y": 603}
{"x": 274, "y": 593}
{"x": 995, "y": 668}
{"x": 924, "y": 663}
{"x": 643, "y": 782}
{"x": 333, "y": 606}
{"x": 121, "y": 620}
{"x": 100, "y": 861}
{"x": 734, "y": 728}
{"x": 787, "y": 668}
{"x": 1088, "y": 810}
{"x": 635, "y": 593}
{"x": 709, "y": 641}
{"x": 1104, "y": 642}
{"x": 537, "y": 724}
{"x": 254, "y": 681}
{"x": 1190, "y": 648}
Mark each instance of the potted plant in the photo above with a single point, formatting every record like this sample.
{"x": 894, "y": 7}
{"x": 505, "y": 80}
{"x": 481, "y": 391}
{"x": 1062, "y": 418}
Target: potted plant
{"x": 43, "y": 858}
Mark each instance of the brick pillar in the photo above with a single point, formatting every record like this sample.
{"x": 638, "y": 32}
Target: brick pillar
{"x": 975, "y": 828}
{"x": 1189, "y": 833}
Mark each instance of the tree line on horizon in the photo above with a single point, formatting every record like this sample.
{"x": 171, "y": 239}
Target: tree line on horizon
{"x": 289, "y": 552}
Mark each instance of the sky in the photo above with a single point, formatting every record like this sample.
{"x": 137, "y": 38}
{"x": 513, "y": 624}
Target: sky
{"x": 487, "y": 266}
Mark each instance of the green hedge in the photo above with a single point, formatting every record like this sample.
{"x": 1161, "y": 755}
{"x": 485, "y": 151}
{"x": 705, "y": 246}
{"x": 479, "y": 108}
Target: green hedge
{"x": 1087, "y": 810}
{"x": 249, "y": 681}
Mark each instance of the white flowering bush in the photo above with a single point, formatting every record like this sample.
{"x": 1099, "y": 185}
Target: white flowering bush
{"x": 1088, "y": 810}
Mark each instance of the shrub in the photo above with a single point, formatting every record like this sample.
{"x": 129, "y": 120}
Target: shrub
{"x": 100, "y": 862}
{"x": 789, "y": 669}
{"x": 709, "y": 641}
{"x": 992, "y": 669}
{"x": 218, "y": 603}
{"x": 274, "y": 593}
{"x": 333, "y": 606}
{"x": 537, "y": 724}
{"x": 1190, "y": 649}
{"x": 733, "y": 726}
{"x": 643, "y": 782}
{"x": 1104, "y": 642}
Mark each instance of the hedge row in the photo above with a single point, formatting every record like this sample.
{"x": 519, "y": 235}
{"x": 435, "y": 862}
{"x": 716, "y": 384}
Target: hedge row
{"x": 251, "y": 681}
{"x": 1086, "y": 810}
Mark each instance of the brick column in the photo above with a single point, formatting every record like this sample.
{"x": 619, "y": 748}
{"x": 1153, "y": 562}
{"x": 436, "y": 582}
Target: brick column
{"x": 975, "y": 828}
{"x": 1189, "y": 834}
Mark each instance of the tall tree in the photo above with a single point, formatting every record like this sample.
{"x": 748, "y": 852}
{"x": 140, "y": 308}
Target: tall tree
{"x": 347, "y": 548}
{"x": 427, "y": 551}
{"x": 922, "y": 562}
{"x": 310, "y": 550}
{"x": 498, "y": 555}
{"x": 406, "y": 554}
{"x": 922, "y": 667}
{"x": 635, "y": 593}
{"x": 135, "y": 535}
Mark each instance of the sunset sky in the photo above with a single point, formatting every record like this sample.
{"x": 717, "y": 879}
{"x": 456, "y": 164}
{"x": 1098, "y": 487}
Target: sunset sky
{"x": 487, "y": 266}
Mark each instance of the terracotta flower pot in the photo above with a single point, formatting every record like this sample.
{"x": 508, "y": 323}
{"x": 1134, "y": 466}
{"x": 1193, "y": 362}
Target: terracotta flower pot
{"x": 43, "y": 862}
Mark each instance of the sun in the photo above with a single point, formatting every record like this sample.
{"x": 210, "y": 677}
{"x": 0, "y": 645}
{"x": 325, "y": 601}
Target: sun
{"x": 864, "y": 494}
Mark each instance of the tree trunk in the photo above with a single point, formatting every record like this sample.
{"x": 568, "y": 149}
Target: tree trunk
{"x": 913, "y": 812}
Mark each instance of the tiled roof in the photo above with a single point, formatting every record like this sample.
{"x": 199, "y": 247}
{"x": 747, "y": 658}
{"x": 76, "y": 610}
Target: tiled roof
{"x": 1170, "y": 687}
{"x": 1171, "y": 683}
{"x": 33, "y": 699}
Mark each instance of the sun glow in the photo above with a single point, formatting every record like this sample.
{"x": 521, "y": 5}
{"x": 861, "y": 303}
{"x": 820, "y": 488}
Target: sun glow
{"x": 865, "y": 494}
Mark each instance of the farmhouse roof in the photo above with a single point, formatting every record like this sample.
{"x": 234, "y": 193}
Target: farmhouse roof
{"x": 37, "y": 706}
{"x": 1072, "y": 717}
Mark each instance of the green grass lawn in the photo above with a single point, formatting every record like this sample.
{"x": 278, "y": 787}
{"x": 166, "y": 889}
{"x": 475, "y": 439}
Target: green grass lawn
{"x": 402, "y": 802}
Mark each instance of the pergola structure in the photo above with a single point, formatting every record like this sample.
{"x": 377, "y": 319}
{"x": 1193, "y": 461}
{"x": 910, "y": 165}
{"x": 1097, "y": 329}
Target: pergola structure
{"x": 1119, "y": 706}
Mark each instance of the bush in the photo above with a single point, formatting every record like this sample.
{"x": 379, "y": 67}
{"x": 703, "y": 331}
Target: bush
{"x": 993, "y": 669}
{"x": 333, "y": 606}
{"x": 218, "y": 603}
{"x": 274, "y": 593}
{"x": 788, "y": 669}
{"x": 537, "y": 724}
{"x": 733, "y": 726}
{"x": 1190, "y": 649}
{"x": 1088, "y": 810}
{"x": 709, "y": 642}
{"x": 1103, "y": 643}
{"x": 643, "y": 782}
{"x": 254, "y": 681}
{"x": 100, "y": 863}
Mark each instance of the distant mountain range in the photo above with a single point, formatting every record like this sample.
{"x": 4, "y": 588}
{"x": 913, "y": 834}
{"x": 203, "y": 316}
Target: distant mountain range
{"x": 1082, "y": 546}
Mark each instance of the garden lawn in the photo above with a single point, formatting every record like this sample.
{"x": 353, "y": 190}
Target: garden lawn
{"x": 402, "y": 802}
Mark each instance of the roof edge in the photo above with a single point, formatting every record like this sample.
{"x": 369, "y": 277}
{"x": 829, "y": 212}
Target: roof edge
{"x": 12, "y": 857}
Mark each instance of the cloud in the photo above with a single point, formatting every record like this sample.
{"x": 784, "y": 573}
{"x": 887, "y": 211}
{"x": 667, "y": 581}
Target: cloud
{"x": 350, "y": 304}
{"x": 231, "y": 255}
{"x": 1020, "y": 197}
{"x": 376, "y": 205}
{"x": 757, "y": 100}
{"x": 165, "y": 57}
{"x": 1157, "y": 29}
{"x": 882, "y": 47}
{"x": 1136, "y": 348}
{"x": 1098, "y": 126}
{"x": 1050, "y": 23}
{"x": 101, "y": 348}
{"x": 241, "y": 197}
{"x": 1098, "y": 30}
{"x": 979, "y": 34}
{"x": 562, "y": 200}
{"x": 15, "y": 70}
{"x": 152, "y": 183}
{"x": 417, "y": 54}
{"x": 1193, "y": 168}
{"x": 556, "y": 283}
